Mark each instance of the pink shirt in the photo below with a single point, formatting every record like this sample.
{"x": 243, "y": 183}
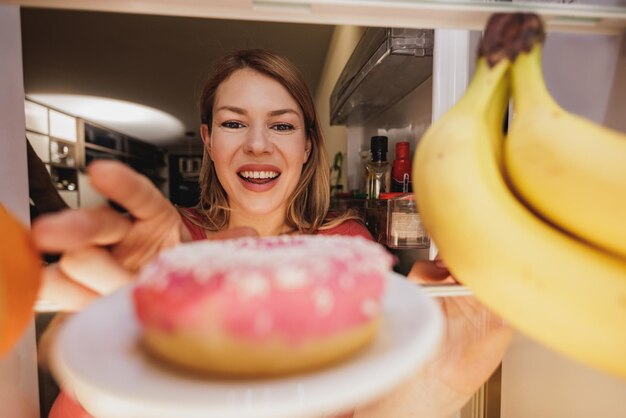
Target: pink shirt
{"x": 350, "y": 227}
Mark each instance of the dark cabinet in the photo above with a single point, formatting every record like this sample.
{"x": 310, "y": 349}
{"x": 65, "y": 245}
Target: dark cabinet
{"x": 145, "y": 158}
{"x": 184, "y": 173}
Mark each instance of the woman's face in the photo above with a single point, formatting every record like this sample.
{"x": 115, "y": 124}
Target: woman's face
{"x": 258, "y": 142}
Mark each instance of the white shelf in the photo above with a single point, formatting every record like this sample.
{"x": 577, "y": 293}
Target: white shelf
{"x": 446, "y": 290}
{"x": 461, "y": 14}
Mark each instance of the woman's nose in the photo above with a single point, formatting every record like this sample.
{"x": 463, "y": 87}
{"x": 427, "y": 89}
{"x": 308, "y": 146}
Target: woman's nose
{"x": 258, "y": 141}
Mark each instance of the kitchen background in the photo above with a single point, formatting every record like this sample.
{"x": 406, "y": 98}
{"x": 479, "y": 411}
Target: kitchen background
{"x": 160, "y": 62}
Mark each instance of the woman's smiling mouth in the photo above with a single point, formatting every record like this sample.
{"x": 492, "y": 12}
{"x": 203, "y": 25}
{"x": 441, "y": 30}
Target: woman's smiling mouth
{"x": 258, "y": 177}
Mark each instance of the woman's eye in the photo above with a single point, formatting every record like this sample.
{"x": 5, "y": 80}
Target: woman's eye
{"x": 283, "y": 127}
{"x": 231, "y": 124}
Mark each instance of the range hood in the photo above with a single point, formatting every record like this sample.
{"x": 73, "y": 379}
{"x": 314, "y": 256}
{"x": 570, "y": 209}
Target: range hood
{"x": 386, "y": 65}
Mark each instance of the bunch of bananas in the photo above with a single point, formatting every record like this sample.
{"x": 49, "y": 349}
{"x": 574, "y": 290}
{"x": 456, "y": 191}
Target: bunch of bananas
{"x": 534, "y": 223}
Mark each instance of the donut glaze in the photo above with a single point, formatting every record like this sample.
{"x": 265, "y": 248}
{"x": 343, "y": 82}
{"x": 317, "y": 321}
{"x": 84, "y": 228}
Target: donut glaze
{"x": 276, "y": 298}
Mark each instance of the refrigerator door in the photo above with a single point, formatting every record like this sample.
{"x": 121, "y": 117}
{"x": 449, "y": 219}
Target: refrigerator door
{"x": 18, "y": 369}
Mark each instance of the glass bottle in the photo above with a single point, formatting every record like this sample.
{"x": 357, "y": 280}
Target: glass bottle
{"x": 378, "y": 170}
{"x": 401, "y": 171}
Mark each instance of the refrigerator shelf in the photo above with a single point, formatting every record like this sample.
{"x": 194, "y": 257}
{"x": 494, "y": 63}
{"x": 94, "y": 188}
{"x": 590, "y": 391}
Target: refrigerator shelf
{"x": 581, "y": 16}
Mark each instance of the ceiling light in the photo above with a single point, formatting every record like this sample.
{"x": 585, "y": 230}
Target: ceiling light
{"x": 136, "y": 120}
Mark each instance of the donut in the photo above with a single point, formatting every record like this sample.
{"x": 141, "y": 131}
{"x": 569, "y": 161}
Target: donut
{"x": 262, "y": 306}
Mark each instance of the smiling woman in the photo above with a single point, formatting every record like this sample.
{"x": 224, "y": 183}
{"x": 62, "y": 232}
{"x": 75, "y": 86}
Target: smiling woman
{"x": 273, "y": 144}
{"x": 264, "y": 153}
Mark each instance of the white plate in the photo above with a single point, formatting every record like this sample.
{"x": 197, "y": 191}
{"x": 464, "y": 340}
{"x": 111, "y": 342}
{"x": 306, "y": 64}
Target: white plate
{"x": 98, "y": 359}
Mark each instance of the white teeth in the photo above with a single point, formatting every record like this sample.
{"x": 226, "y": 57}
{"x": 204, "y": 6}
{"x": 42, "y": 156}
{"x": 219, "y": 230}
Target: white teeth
{"x": 259, "y": 174}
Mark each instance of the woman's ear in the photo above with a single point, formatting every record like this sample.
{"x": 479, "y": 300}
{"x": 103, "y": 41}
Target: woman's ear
{"x": 307, "y": 151}
{"x": 206, "y": 138}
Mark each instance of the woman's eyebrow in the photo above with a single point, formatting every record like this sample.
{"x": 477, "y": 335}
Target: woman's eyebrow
{"x": 233, "y": 109}
{"x": 282, "y": 112}
{"x": 241, "y": 111}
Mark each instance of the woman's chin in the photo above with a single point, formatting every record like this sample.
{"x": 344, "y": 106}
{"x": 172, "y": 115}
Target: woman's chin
{"x": 261, "y": 210}
{"x": 259, "y": 207}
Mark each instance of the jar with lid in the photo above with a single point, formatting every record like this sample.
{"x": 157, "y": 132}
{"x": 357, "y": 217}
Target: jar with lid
{"x": 404, "y": 224}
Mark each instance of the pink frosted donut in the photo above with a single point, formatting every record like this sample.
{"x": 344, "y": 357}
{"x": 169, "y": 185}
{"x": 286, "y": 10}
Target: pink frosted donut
{"x": 262, "y": 306}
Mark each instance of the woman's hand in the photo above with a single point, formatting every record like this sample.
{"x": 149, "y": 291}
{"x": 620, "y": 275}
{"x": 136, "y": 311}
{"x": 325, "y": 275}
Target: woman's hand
{"x": 101, "y": 248}
{"x": 474, "y": 342}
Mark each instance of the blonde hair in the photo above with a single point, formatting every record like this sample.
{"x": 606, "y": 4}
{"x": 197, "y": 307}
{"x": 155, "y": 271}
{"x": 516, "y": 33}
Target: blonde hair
{"x": 307, "y": 207}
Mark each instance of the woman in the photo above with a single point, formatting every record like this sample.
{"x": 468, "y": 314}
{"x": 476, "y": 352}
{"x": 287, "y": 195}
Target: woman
{"x": 264, "y": 171}
{"x": 264, "y": 162}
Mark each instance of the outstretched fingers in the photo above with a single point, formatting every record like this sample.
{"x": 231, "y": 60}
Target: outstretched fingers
{"x": 96, "y": 269}
{"x": 65, "y": 294}
{"x": 429, "y": 272}
{"x": 128, "y": 188}
{"x": 71, "y": 229}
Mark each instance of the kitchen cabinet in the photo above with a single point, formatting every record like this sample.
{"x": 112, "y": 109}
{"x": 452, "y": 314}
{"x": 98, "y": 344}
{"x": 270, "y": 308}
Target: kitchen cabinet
{"x": 453, "y": 22}
{"x": 54, "y": 137}
{"x": 183, "y": 177}
{"x": 66, "y": 144}
{"x": 99, "y": 142}
{"x": 103, "y": 143}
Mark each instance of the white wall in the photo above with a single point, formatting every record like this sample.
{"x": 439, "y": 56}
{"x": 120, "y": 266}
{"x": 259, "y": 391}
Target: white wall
{"x": 18, "y": 370}
{"x": 579, "y": 72}
{"x": 587, "y": 75}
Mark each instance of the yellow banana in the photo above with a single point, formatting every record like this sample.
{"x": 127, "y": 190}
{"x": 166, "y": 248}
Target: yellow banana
{"x": 568, "y": 169}
{"x": 567, "y": 295}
